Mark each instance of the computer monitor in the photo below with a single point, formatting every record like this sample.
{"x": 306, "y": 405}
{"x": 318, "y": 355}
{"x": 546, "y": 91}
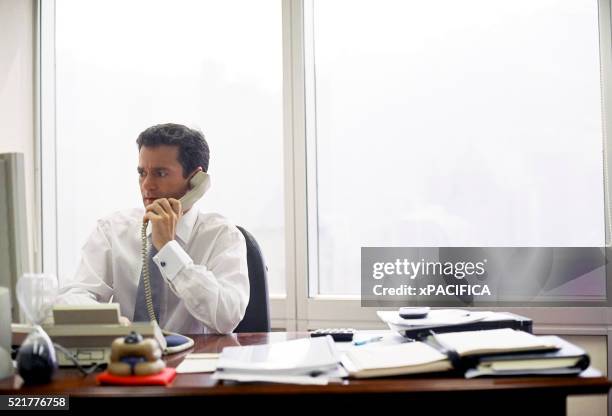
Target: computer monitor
{"x": 14, "y": 255}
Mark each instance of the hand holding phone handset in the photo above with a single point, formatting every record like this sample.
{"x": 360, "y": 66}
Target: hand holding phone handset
{"x": 199, "y": 184}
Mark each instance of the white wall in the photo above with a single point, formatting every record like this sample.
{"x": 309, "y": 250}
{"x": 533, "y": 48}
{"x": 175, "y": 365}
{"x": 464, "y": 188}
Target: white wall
{"x": 17, "y": 93}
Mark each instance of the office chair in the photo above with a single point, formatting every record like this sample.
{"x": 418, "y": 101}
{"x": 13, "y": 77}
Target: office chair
{"x": 257, "y": 315}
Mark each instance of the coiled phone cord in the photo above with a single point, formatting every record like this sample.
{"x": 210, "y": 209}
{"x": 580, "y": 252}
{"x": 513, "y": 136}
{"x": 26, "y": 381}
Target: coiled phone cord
{"x": 149, "y": 296}
{"x": 145, "y": 272}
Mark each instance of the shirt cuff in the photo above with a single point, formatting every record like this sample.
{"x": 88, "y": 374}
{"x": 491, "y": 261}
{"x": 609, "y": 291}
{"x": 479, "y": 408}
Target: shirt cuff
{"x": 171, "y": 259}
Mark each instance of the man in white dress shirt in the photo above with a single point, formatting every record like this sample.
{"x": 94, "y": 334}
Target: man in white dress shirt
{"x": 201, "y": 257}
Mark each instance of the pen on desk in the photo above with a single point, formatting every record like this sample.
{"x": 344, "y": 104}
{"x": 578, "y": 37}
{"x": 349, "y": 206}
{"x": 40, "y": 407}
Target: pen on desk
{"x": 366, "y": 341}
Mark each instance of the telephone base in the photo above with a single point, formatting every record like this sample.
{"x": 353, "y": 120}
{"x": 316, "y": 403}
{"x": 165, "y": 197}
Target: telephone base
{"x": 85, "y": 356}
{"x": 90, "y": 344}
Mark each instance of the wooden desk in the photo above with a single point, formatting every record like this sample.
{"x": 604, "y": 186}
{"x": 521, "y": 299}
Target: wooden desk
{"x": 523, "y": 395}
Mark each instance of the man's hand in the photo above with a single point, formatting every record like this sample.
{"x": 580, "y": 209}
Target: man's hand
{"x": 124, "y": 321}
{"x": 164, "y": 214}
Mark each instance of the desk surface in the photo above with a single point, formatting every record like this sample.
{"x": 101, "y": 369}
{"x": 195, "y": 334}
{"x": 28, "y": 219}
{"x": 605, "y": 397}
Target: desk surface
{"x": 70, "y": 381}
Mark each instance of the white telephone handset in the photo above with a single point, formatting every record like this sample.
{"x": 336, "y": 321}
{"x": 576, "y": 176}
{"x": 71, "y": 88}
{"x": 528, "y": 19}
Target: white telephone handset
{"x": 199, "y": 184}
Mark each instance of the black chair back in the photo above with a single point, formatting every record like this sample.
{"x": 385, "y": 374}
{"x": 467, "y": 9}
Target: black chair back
{"x": 257, "y": 315}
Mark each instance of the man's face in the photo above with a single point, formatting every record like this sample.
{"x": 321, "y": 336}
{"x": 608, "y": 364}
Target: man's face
{"x": 161, "y": 174}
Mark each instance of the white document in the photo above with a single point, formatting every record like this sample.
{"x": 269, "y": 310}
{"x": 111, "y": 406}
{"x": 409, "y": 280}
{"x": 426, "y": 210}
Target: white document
{"x": 198, "y": 363}
{"x": 333, "y": 376}
{"x": 296, "y": 357}
{"x": 270, "y": 378}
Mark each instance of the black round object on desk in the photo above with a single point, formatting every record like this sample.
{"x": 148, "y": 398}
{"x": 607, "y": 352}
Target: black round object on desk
{"x": 36, "y": 360}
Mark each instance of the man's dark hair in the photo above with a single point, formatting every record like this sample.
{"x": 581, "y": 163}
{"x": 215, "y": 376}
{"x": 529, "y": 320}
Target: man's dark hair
{"x": 193, "y": 149}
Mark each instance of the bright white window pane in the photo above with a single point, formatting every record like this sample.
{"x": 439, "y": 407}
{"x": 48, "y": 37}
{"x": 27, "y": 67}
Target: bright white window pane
{"x": 123, "y": 66}
{"x": 454, "y": 123}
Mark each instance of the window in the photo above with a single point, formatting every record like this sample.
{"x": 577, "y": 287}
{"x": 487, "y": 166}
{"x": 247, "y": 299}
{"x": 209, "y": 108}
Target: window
{"x": 471, "y": 123}
{"x": 124, "y": 66}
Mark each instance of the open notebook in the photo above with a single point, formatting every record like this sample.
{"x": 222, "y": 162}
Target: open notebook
{"x": 407, "y": 358}
{"x": 432, "y": 355}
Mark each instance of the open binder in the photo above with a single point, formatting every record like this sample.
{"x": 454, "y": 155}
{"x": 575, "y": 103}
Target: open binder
{"x": 476, "y": 353}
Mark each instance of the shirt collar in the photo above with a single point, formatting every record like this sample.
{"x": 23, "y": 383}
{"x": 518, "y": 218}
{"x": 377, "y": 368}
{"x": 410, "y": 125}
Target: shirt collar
{"x": 184, "y": 226}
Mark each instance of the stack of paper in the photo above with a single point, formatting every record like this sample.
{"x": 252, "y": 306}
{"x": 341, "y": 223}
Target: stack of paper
{"x": 302, "y": 361}
{"x": 198, "y": 363}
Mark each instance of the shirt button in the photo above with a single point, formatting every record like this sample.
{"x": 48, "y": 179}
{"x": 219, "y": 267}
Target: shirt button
{"x": 163, "y": 264}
